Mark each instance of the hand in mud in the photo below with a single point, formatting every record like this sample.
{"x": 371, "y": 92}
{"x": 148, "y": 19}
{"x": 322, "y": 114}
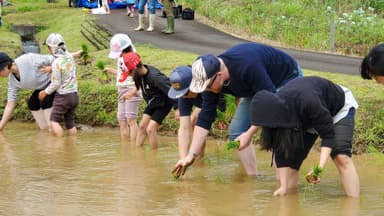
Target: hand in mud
{"x": 182, "y": 165}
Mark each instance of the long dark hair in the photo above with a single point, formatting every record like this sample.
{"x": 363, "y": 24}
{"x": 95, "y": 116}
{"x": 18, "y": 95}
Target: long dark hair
{"x": 127, "y": 49}
{"x": 373, "y": 63}
{"x": 282, "y": 140}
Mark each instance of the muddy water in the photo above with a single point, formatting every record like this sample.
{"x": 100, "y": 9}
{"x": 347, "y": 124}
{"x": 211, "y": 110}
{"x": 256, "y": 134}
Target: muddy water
{"x": 97, "y": 174}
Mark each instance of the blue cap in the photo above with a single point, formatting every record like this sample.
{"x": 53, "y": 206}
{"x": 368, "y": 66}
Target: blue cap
{"x": 180, "y": 80}
{"x": 203, "y": 69}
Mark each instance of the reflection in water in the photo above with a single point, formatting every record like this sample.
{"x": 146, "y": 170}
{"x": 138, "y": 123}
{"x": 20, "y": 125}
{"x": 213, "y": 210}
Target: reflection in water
{"x": 96, "y": 173}
{"x": 349, "y": 206}
{"x": 284, "y": 206}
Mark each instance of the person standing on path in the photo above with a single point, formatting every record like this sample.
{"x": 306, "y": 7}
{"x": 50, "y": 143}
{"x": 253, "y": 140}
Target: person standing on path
{"x": 241, "y": 71}
{"x": 152, "y": 15}
{"x": 130, "y": 8}
{"x": 168, "y": 9}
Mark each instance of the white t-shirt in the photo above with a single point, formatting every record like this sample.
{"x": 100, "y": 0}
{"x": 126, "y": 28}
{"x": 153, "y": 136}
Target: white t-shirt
{"x": 30, "y": 75}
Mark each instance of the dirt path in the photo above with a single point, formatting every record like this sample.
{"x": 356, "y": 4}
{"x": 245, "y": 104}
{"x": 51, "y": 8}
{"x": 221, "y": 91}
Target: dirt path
{"x": 194, "y": 36}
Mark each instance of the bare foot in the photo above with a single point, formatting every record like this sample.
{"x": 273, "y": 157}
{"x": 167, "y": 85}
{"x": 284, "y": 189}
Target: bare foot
{"x": 280, "y": 192}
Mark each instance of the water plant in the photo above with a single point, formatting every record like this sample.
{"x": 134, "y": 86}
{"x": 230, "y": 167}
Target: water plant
{"x": 233, "y": 145}
{"x": 85, "y": 53}
{"x": 101, "y": 65}
{"x": 316, "y": 173}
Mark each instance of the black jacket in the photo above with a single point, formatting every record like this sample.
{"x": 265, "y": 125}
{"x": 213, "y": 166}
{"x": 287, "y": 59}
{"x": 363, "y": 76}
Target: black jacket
{"x": 154, "y": 86}
{"x": 303, "y": 103}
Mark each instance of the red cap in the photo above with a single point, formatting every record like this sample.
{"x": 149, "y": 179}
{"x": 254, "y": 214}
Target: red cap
{"x": 131, "y": 60}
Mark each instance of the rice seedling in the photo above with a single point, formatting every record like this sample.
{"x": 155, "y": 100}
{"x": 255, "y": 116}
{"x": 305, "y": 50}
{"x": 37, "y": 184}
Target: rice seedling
{"x": 233, "y": 145}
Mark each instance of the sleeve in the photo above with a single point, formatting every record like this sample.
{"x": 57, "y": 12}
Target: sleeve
{"x": 13, "y": 91}
{"x": 322, "y": 121}
{"x": 162, "y": 82}
{"x": 208, "y": 113}
{"x": 185, "y": 106}
{"x": 55, "y": 79}
{"x": 136, "y": 79}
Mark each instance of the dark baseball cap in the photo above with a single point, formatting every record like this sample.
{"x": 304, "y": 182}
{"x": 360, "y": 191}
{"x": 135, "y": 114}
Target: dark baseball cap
{"x": 5, "y": 60}
{"x": 180, "y": 80}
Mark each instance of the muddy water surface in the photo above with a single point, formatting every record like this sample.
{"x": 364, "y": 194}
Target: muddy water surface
{"x": 98, "y": 174}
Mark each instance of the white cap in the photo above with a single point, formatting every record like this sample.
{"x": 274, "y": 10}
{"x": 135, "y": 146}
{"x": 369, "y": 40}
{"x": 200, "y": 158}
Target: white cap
{"x": 203, "y": 70}
{"x": 54, "y": 40}
{"x": 118, "y": 43}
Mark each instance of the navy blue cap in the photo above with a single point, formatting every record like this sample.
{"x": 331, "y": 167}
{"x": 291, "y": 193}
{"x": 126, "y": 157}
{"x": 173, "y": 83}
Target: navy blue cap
{"x": 180, "y": 80}
{"x": 4, "y": 60}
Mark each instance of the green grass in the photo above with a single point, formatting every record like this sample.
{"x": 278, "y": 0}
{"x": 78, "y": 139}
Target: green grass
{"x": 98, "y": 99}
{"x": 303, "y": 24}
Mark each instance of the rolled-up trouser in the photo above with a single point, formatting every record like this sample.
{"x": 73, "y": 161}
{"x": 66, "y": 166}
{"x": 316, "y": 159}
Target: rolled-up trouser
{"x": 168, "y": 7}
{"x": 151, "y": 7}
{"x": 241, "y": 121}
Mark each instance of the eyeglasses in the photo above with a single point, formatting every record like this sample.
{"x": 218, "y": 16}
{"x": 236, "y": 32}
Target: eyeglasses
{"x": 212, "y": 81}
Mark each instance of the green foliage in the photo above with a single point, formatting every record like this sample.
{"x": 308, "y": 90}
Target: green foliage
{"x": 85, "y": 53}
{"x": 100, "y": 64}
{"x": 27, "y": 8}
{"x": 317, "y": 171}
{"x": 97, "y": 104}
{"x": 103, "y": 76}
{"x": 302, "y": 23}
{"x": 233, "y": 145}
{"x": 374, "y": 151}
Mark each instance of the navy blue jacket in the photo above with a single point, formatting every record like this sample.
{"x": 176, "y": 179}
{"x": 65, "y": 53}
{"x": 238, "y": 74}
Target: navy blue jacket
{"x": 252, "y": 67}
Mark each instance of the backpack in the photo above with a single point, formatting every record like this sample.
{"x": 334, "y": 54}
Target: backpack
{"x": 188, "y": 14}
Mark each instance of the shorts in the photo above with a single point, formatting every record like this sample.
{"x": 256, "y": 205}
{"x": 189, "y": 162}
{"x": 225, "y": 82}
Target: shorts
{"x": 344, "y": 135}
{"x": 342, "y": 143}
{"x": 64, "y": 107}
{"x": 158, "y": 111}
{"x": 127, "y": 109}
{"x": 35, "y": 104}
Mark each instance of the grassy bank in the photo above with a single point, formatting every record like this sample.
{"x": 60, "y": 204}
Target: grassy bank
{"x": 98, "y": 97}
{"x": 302, "y": 24}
